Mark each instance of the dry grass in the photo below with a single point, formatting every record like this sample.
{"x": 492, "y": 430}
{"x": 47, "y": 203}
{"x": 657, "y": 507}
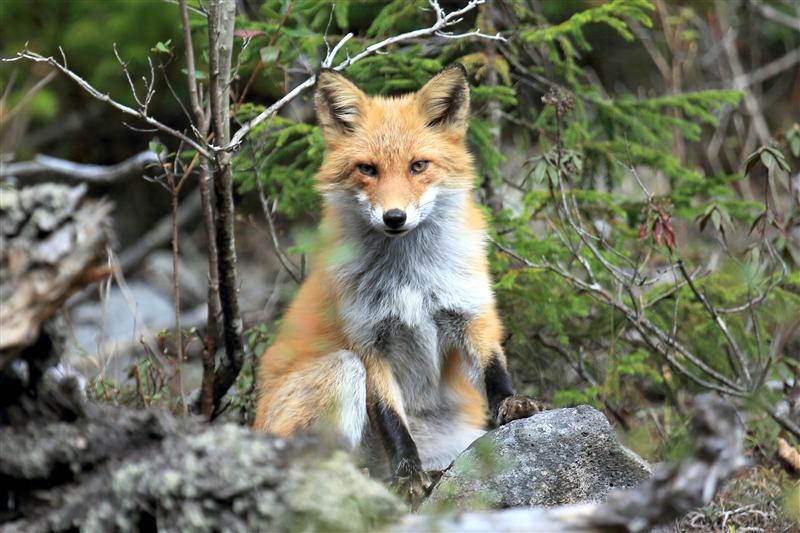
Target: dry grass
{"x": 752, "y": 501}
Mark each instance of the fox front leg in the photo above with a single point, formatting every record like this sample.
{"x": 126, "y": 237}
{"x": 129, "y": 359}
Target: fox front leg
{"x": 483, "y": 341}
{"x": 385, "y": 408}
{"x": 409, "y": 479}
{"x": 505, "y": 405}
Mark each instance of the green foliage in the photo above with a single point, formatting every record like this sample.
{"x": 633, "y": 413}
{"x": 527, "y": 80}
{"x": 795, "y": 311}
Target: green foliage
{"x": 285, "y": 161}
{"x": 614, "y": 14}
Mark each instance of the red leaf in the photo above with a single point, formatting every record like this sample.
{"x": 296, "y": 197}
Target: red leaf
{"x": 670, "y": 237}
{"x": 248, "y": 34}
{"x": 658, "y": 230}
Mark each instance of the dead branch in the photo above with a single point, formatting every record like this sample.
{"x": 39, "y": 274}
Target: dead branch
{"x": 47, "y": 167}
{"x": 771, "y": 13}
{"x": 160, "y": 233}
{"x": 103, "y": 97}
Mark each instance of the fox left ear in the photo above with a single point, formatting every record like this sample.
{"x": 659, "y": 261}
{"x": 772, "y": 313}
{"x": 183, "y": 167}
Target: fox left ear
{"x": 444, "y": 100}
{"x": 339, "y": 103}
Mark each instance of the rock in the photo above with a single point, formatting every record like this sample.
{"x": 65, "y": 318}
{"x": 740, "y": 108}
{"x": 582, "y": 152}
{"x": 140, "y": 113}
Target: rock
{"x": 557, "y": 457}
{"x": 66, "y": 464}
{"x": 157, "y": 272}
{"x": 110, "y": 330}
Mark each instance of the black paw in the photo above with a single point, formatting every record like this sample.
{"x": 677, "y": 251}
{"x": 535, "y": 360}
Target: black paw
{"x": 412, "y": 486}
{"x": 515, "y": 407}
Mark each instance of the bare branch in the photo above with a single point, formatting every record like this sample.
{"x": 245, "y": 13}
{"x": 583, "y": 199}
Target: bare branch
{"x": 661, "y": 342}
{"x": 773, "y": 68}
{"x": 45, "y": 166}
{"x": 737, "y": 353}
{"x": 39, "y": 85}
{"x": 443, "y": 20}
{"x": 86, "y": 86}
{"x": 276, "y": 245}
{"x": 771, "y": 13}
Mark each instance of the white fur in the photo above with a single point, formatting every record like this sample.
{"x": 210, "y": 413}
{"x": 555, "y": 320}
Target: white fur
{"x": 416, "y": 212}
{"x": 437, "y": 453}
{"x": 393, "y": 287}
{"x": 351, "y": 396}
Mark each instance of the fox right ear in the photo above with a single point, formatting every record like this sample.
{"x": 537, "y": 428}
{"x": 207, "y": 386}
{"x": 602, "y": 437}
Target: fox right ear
{"x": 338, "y": 102}
{"x": 444, "y": 100}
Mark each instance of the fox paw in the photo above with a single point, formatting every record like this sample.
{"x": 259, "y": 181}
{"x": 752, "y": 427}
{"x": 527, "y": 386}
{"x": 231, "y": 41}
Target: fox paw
{"x": 413, "y": 487}
{"x": 515, "y": 407}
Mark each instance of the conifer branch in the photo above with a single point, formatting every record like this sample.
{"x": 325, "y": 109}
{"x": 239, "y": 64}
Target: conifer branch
{"x": 443, "y": 20}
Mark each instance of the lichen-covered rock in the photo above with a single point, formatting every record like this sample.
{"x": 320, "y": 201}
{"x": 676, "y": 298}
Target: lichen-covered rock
{"x": 100, "y": 468}
{"x": 556, "y": 457}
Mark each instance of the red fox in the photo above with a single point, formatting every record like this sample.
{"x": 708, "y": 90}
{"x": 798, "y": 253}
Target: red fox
{"x": 393, "y": 339}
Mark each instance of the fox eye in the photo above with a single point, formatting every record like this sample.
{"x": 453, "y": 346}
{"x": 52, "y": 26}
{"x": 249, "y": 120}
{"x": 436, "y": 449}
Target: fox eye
{"x": 368, "y": 170}
{"x": 417, "y": 167}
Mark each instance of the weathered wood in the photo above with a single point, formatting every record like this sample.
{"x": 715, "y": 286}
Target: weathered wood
{"x": 54, "y": 243}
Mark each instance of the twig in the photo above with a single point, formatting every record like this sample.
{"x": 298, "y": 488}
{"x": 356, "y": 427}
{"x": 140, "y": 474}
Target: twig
{"x": 39, "y": 85}
{"x": 200, "y": 119}
{"x": 770, "y": 13}
{"x": 657, "y": 339}
{"x": 287, "y": 263}
{"x": 86, "y": 86}
{"x": 737, "y": 353}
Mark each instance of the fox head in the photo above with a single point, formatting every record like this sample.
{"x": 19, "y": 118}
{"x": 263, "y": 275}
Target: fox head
{"x": 393, "y": 156}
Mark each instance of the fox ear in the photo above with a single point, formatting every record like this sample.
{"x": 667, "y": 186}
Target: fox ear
{"x": 444, "y": 100}
{"x": 338, "y": 102}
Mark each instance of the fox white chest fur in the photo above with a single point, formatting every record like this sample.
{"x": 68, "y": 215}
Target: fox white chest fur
{"x": 408, "y": 298}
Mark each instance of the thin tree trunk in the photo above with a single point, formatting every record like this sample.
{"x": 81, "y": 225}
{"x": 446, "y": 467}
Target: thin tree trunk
{"x": 177, "y": 378}
{"x": 221, "y": 19}
{"x": 212, "y": 330}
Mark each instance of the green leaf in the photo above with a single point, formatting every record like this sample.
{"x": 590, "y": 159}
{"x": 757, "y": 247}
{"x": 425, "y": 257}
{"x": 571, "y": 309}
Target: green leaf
{"x": 340, "y": 12}
{"x": 269, "y": 54}
{"x": 162, "y": 48}
{"x": 767, "y": 159}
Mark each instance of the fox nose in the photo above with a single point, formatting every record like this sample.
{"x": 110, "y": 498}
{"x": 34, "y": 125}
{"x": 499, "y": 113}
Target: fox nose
{"x": 394, "y": 218}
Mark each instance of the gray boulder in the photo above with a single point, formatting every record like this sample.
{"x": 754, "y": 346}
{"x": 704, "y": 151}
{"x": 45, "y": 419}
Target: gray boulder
{"x": 556, "y": 457}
